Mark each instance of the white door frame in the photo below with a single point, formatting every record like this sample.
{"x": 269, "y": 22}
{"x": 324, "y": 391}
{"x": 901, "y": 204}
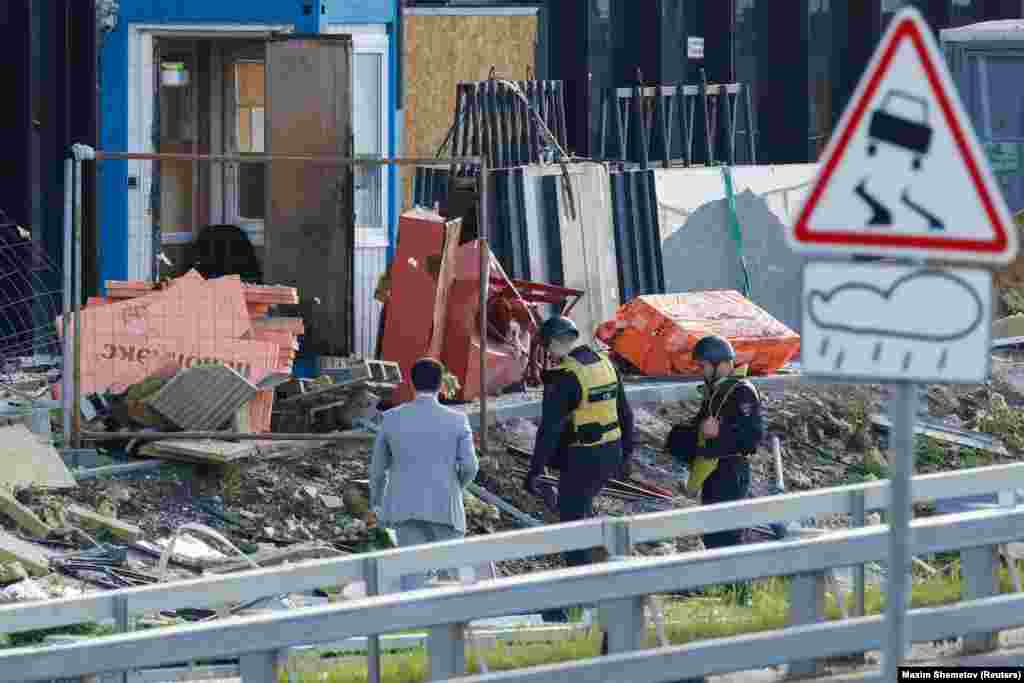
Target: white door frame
{"x": 141, "y": 91}
{"x": 373, "y": 39}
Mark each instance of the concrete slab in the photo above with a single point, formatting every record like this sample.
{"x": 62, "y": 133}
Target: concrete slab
{"x": 93, "y": 520}
{"x": 33, "y": 558}
{"x": 25, "y": 460}
{"x": 25, "y": 518}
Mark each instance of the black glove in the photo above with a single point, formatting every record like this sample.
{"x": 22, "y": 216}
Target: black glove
{"x": 682, "y": 443}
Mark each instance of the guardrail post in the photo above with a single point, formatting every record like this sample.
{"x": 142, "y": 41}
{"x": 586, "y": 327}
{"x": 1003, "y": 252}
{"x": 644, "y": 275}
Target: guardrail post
{"x": 123, "y": 624}
{"x": 979, "y": 578}
{"x": 258, "y": 667}
{"x": 806, "y": 606}
{"x": 858, "y": 518}
{"x": 623, "y": 620}
{"x": 446, "y": 647}
{"x": 374, "y": 578}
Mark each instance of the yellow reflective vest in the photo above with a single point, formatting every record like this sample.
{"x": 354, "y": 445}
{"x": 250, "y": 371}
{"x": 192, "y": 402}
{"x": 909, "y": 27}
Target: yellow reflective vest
{"x": 596, "y": 420}
{"x": 701, "y": 467}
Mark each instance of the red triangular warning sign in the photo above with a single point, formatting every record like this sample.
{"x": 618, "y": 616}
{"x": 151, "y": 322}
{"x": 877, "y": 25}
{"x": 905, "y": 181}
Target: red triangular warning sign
{"x": 903, "y": 174}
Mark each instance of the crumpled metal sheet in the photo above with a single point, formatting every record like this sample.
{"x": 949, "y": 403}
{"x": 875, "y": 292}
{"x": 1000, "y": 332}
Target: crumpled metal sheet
{"x": 203, "y": 398}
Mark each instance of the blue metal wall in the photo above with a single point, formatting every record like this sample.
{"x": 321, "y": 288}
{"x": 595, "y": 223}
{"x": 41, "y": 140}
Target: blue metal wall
{"x": 113, "y": 179}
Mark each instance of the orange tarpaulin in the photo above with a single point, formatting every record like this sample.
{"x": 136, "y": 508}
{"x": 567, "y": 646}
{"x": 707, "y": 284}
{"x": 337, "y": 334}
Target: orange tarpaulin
{"x": 657, "y": 333}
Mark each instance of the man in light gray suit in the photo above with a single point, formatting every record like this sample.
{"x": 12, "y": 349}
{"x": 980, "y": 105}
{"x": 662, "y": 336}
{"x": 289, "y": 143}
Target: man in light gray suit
{"x": 422, "y": 460}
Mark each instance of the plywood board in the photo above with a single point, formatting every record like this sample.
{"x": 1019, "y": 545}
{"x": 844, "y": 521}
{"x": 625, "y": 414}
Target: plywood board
{"x": 441, "y": 51}
{"x": 310, "y": 231}
{"x": 25, "y": 459}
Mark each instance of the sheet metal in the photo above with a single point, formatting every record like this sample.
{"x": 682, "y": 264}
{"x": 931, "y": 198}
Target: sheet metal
{"x": 536, "y": 213}
{"x": 203, "y": 398}
{"x": 637, "y": 234}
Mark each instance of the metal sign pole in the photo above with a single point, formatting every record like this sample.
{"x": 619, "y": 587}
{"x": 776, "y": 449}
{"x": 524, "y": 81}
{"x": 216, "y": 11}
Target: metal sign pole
{"x": 898, "y": 584}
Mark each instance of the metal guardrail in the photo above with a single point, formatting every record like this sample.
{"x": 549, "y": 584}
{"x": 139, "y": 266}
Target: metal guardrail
{"x": 380, "y": 569}
{"x": 618, "y": 587}
{"x": 388, "y": 565}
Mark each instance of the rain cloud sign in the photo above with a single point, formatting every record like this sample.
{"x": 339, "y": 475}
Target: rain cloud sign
{"x": 896, "y": 322}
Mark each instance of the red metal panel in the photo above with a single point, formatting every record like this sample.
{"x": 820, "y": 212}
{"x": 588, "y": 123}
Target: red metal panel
{"x": 410, "y": 310}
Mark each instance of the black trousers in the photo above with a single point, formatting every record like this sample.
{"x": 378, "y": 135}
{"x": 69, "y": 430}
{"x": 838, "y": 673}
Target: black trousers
{"x": 730, "y": 481}
{"x": 585, "y": 471}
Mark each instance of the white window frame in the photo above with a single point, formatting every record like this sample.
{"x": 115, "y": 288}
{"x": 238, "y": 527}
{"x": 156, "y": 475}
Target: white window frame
{"x": 373, "y": 39}
{"x": 140, "y": 99}
{"x": 253, "y": 227}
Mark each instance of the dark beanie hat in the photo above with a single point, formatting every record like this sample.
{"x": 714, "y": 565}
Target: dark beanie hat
{"x": 426, "y": 375}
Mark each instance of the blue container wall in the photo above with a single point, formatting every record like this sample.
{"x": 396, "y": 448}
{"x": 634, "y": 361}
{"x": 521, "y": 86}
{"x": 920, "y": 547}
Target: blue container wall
{"x": 113, "y": 175}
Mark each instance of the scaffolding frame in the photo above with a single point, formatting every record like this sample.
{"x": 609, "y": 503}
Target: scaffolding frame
{"x": 71, "y": 398}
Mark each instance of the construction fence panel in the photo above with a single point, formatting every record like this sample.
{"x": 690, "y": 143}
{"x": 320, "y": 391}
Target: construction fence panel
{"x": 531, "y": 209}
{"x": 637, "y": 233}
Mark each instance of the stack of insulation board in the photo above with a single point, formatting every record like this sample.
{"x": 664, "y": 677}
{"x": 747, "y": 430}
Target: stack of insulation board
{"x": 658, "y": 332}
{"x": 255, "y": 344}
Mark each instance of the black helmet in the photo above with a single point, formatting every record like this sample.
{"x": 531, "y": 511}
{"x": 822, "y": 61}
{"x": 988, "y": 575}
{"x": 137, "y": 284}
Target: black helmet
{"x": 713, "y": 349}
{"x": 557, "y": 326}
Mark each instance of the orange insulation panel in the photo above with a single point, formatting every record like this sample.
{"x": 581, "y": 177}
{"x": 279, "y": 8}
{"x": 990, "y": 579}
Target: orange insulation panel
{"x": 657, "y": 333}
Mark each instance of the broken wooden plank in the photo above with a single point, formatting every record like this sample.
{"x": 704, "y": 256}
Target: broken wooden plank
{"x": 29, "y": 461}
{"x": 941, "y": 432}
{"x": 22, "y": 515}
{"x": 33, "y": 559}
{"x": 94, "y": 520}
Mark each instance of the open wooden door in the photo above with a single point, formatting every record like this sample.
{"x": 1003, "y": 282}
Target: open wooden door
{"x": 310, "y": 222}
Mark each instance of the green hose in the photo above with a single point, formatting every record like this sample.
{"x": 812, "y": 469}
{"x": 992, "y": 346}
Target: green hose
{"x": 736, "y": 230}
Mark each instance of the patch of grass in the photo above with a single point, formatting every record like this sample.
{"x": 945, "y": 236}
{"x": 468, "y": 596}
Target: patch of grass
{"x": 26, "y": 638}
{"x": 928, "y": 452}
{"x": 707, "y": 617}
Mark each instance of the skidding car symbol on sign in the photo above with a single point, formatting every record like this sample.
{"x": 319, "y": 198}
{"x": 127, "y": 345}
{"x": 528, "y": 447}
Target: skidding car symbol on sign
{"x": 889, "y": 126}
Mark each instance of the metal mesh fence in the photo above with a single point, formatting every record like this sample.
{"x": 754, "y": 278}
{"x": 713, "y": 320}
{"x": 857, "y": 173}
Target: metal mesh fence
{"x": 30, "y": 299}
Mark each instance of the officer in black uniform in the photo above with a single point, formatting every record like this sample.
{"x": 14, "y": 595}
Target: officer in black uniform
{"x": 586, "y": 428}
{"x": 716, "y": 445}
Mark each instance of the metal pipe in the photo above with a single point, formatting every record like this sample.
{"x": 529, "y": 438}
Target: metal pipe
{"x": 76, "y": 396}
{"x": 66, "y": 373}
{"x": 267, "y": 158}
{"x": 485, "y": 272}
{"x": 352, "y": 435}
{"x": 503, "y": 505}
{"x": 904, "y": 414}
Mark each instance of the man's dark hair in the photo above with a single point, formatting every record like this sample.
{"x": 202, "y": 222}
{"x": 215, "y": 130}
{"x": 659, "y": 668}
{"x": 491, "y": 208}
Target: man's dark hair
{"x": 426, "y": 375}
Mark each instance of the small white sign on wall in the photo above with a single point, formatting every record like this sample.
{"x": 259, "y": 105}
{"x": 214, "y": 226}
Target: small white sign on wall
{"x": 695, "y": 47}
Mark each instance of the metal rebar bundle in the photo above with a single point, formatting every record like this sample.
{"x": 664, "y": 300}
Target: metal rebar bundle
{"x": 511, "y": 123}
